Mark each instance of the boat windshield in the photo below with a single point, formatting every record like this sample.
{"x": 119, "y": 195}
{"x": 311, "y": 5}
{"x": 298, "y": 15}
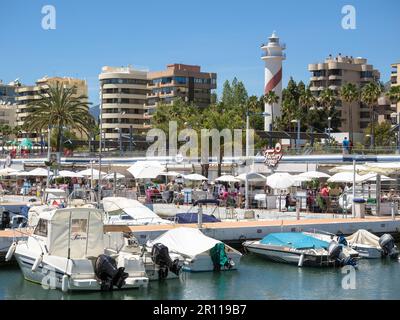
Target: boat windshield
{"x": 41, "y": 228}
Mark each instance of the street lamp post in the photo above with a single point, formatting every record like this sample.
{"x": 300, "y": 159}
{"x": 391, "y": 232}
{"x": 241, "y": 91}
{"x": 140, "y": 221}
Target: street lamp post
{"x": 298, "y": 133}
{"x": 329, "y": 130}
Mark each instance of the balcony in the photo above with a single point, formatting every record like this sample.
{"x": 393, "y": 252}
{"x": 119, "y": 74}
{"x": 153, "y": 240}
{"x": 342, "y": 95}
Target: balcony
{"x": 277, "y": 55}
{"x": 335, "y": 77}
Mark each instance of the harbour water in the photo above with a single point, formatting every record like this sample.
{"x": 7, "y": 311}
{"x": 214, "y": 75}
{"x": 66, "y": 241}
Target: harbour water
{"x": 255, "y": 279}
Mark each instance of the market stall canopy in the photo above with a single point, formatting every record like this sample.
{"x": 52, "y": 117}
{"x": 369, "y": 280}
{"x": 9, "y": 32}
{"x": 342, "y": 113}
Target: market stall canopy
{"x": 344, "y": 177}
{"x": 280, "y": 180}
{"x": 69, "y": 174}
{"x": 383, "y": 168}
{"x": 314, "y": 175}
{"x": 369, "y": 177}
{"x": 252, "y": 177}
{"x": 38, "y": 172}
{"x": 146, "y": 169}
{"x": 227, "y": 178}
{"x": 26, "y": 143}
{"x": 350, "y": 168}
{"x": 8, "y": 172}
{"x": 89, "y": 172}
{"x": 195, "y": 177}
{"x": 111, "y": 176}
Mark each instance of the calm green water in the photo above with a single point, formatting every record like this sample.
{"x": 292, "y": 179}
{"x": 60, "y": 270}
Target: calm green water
{"x": 256, "y": 279}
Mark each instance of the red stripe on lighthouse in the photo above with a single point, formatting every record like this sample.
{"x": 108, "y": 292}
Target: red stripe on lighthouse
{"x": 273, "y": 82}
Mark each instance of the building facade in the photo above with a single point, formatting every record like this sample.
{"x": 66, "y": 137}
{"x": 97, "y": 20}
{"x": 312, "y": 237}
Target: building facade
{"x": 335, "y": 72}
{"x": 395, "y": 81}
{"x": 187, "y": 82}
{"x": 27, "y": 94}
{"x": 8, "y": 107}
{"x": 124, "y": 93}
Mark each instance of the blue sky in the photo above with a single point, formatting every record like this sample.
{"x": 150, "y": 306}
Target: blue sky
{"x": 221, "y": 36}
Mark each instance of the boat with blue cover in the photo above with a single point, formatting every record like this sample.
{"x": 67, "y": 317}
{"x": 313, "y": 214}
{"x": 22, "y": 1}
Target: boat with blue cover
{"x": 300, "y": 249}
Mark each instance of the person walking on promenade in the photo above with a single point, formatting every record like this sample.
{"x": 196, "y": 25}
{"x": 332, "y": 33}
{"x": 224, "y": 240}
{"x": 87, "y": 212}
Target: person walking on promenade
{"x": 345, "y": 145}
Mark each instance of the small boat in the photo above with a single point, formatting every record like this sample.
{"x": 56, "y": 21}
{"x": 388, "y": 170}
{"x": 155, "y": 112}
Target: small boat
{"x": 67, "y": 251}
{"x": 370, "y": 246}
{"x": 297, "y": 248}
{"x": 197, "y": 251}
{"x": 339, "y": 239}
{"x": 124, "y": 211}
{"x": 194, "y": 217}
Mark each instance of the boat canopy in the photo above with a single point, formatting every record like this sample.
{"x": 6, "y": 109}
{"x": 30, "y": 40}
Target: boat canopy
{"x": 296, "y": 240}
{"x": 192, "y": 217}
{"x": 77, "y": 229}
{"x": 186, "y": 241}
{"x": 363, "y": 237}
{"x": 133, "y": 208}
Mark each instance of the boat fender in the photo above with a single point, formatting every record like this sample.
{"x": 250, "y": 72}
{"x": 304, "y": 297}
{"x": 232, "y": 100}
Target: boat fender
{"x": 301, "y": 261}
{"x": 64, "y": 283}
{"x": 37, "y": 262}
{"x": 11, "y": 251}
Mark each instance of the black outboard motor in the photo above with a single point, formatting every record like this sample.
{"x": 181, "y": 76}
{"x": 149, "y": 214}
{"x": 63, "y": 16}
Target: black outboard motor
{"x": 335, "y": 252}
{"x": 106, "y": 270}
{"x": 160, "y": 256}
{"x": 388, "y": 246}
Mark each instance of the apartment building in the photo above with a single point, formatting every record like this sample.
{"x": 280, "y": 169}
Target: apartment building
{"x": 395, "y": 81}
{"x": 124, "y": 93}
{"x": 183, "y": 81}
{"x": 337, "y": 71}
{"x": 27, "y": 94}
{"x": 8, "y": 107}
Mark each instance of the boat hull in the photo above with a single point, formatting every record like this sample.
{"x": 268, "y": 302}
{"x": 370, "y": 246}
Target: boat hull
{"x": 284, "y": 255}
{"x": 203, "y": 263}
{"x": 368, "y": 252}
{"x": 51, "y": 277}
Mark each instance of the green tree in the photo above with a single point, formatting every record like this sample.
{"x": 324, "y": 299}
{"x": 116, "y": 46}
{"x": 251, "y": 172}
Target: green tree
{"x": 370, "y": 94}
{"x": 393, "y": 94}
{"x": 350, "y": 93}
{"x": 383, "y": 134}
{"x": 271, "y": 98}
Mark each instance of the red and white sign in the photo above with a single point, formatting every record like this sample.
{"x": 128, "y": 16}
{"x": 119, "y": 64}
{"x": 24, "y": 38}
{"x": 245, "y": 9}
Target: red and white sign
{"x": 273, "y": 156}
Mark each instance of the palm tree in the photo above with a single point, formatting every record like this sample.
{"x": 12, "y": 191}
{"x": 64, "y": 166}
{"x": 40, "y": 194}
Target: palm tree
{"x": 271, "y": 98}
{"x": 370, "y": 94}
{"x": 394, "y": 94}
{"x": 327, "y": 98}
{"x": 307, "y": 101}
{"x": 350, "y": 93}
{"x": 59, "y": 107}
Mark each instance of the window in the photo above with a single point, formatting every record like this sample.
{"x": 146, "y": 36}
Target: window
{"x": 41, "y": 228}
{"x": 78, "y": 229}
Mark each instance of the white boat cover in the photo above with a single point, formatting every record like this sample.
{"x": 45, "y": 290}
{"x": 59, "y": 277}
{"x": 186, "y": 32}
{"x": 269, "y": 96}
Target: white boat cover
{"x": 80, "y": 229}
{"x": 133, "y": 208}
{"x": 363, "y": 237}
{"x": 186, "y": 241}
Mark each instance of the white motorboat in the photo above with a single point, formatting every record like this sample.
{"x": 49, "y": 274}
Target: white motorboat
{"x": 329, "y": 237}
{"x": 197, "y": 251}
{"x": 370, "y": 246}
{"x": 297, "y": 248}
{"x": 124, "y": 211}
{"x": 67, "y": 251}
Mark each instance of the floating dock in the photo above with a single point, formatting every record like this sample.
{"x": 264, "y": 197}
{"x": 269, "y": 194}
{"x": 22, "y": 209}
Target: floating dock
{"x": 235, "y": 232}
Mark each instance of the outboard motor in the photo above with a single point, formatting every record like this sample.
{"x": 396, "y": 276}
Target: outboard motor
{"x": 335, "y": 252}
{"x": 160, "y": 256}
{"x": 388, "y": 246}
{"x": 106, "y": 270}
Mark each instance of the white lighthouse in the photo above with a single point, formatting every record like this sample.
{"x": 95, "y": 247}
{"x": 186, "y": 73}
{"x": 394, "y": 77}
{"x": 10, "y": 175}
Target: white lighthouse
{"x": 273, "y": 56}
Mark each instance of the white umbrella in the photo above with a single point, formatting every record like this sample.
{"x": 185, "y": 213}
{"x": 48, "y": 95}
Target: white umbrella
{"x": 89, "y": 172}
{"x": 69, "y": 174}
{"x": 227, "y": 178}
{"x": 252, "y": 177}
{"x": 383, "y": 168}
{"x": 146, "y": 169}
{"x": 350, "y": 168}
{"x": 300, "y": 178}
{"x": 314, "y": 175}
{"x": 195, "y": 177}
{"x": 170, "y": 174}
{"x": 344, "y": 177}
{"x": 280, "y": 180}
{"x": 372, "y": 177}
{"x": 38, "y": 172}
{"x": 8, "y": 172}
{"x": 110, "y": 176}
